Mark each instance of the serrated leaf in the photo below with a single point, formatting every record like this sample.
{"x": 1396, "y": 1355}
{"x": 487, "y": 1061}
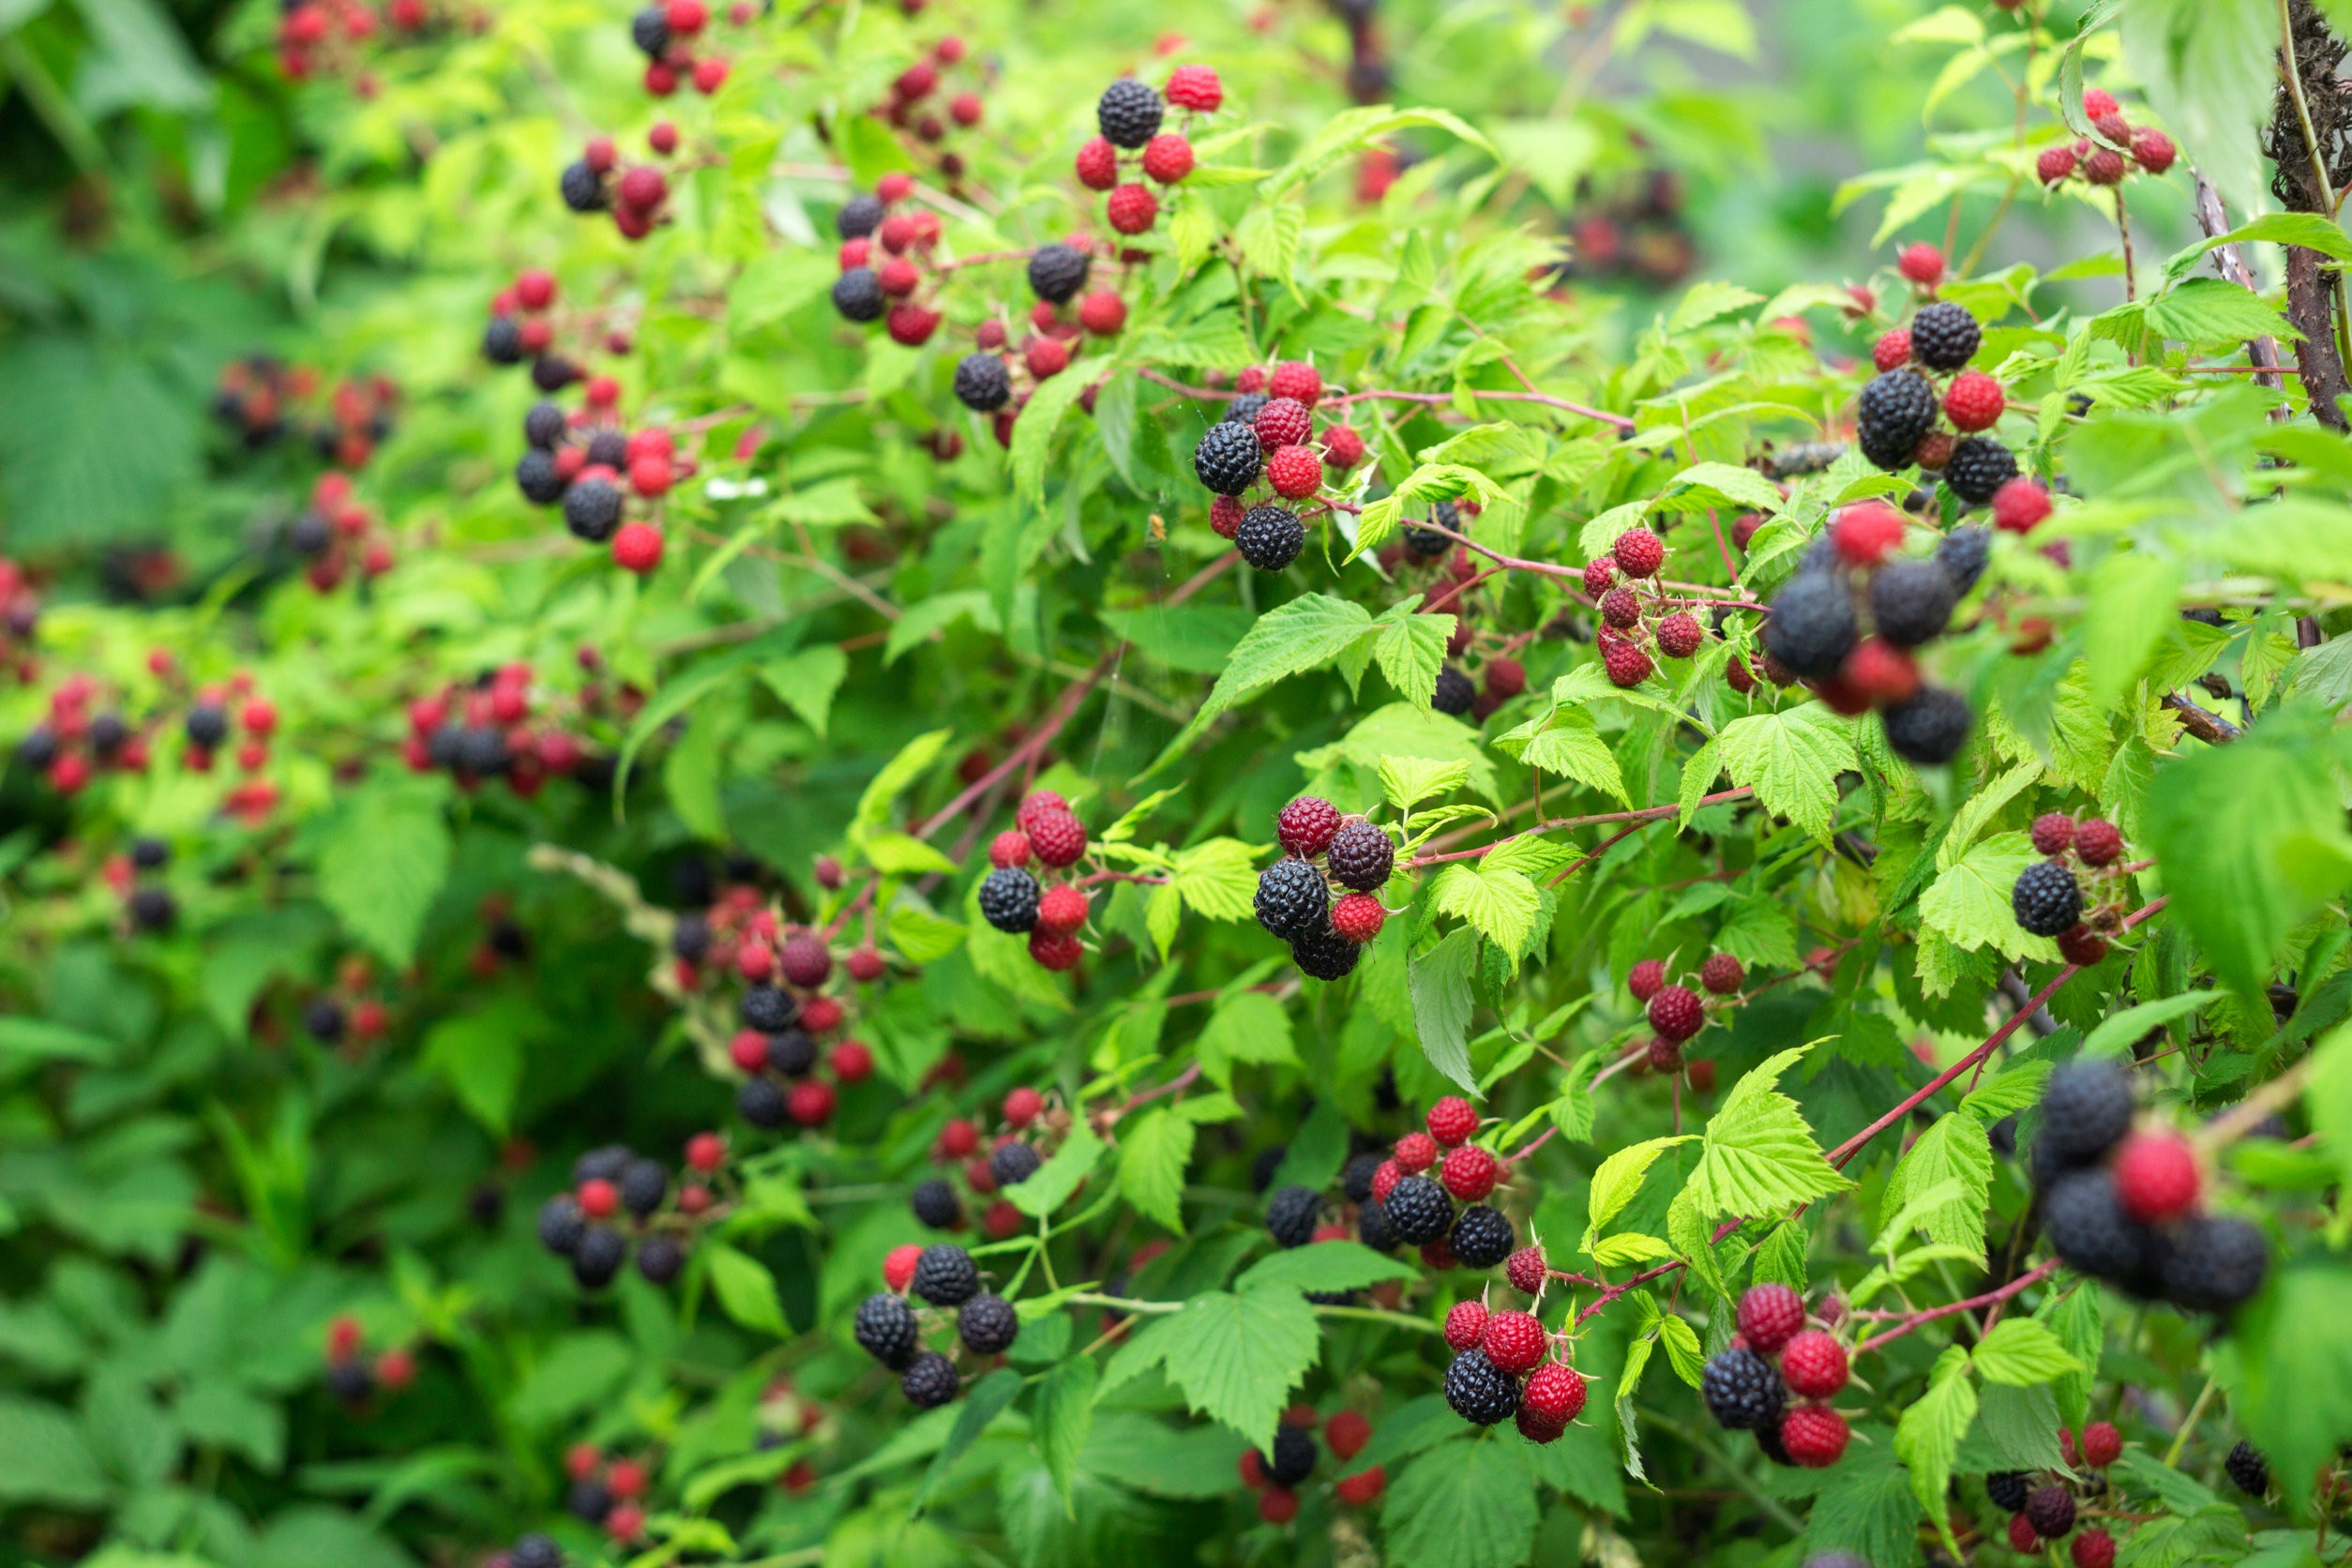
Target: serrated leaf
{"x": 1571, "y": 747}
{"x": 1058, "y": 1177}
{"x": 1629, "y": 1248}
{"x": 1929, "y": 1435}
{"x": 382, "y": 863}
{"x": 2007, "y": 1091}
{"x": 1719, "y": 484}
{"x": 921, "y": 937}
{"x": 1410, "y": 650}
{"x": 1406, "y": 781}
{"x": 1309, "y": 631}
{"x": 1500, "y": 904}
{"x": 1153, "y": 1151}
{"x": 1758, "y": 1153}
{"x": 2022, "y": 1353}
{"x": 901, "y": 771}
{"x": 1065, "y": 1418}
{"x": 806, "y": 682}
{"x": 1970, "y": 903}
{"x": 1322, "y": 1267}
{"x": 1235, "y": 1355}
{"x": 1467, "y": 1503}
{"x": 1681, "y": 1347}
{"x": 1619, "y": 1178}
{"x": 1440, "y": 980}
{"x": 745, "y": 1289}
{"x": 1248, "y": 1026}
{"x": 1791, "y": 760}
{"x": 1216, "y": 878}
{"x": 1040, "y": 417}
{"x": 1955, "y": 1157}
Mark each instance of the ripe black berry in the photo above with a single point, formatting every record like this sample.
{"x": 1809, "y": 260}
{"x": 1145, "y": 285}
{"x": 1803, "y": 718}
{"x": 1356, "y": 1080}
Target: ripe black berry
{"x": 536, "y": 1551}
{"x": 929, "y": 1381}
{"x": 981, "y": 382}
{"x": 1355, "y": 1178}
{"x": 1910, "y": 601}
{"x": 1811, "y": 628}
{"x": 553, "y": 372}
{"x": 1294, "y": 1456}
{"x": 1426, "y": 544}
{"x": 2248, "y": 1470}
{"x": 588, "y": 1499}
{"x": 39, "y": 748}
{"x": 859, "y": 216}
{"x": 2089, "y": 1228}
{"x": 643, "y": 1185}
{"x": 1361, "y": 856}
{"x": 1291, "y": 900}
{"x": 649, "y": 29}
{"x": 1008, "y": 900}
{"x": 1325, "y": 954}
{"x": 857, "y": 294}
{"x": 1963, "y": 555}
{"x": 2215, "y": 1262}
{"x": 207, "y": 725}
{"x": 1455, "y": 693}
{"x": 690, "y": 938}
{"x": 1128, "y": 113}
{"x": 598, "y": 1257}
{"x": 544, "y": 425}
{"x": 987, "y": 1324}
{"x": 1372, "y": 1227}
{"x": 582, "y": 187}
{"x": 1483, "y": 1237}
{"x": 791, "y": 1052}
{"x": 1269, "y": 537}
{"x": 1290, "y": 1216}
{"x": 1057, "y": 272}
{"x": 592, "y": 510}
{"x": 885, "y": 1329}
{"x": 1418, "y": 1211}
{"x": 1944, "y": 337}
{"x": 1897, "y": 409}
{"x": 501, "y": 340}
{"x": 768, "y": 1008}
{"x": 1742, "y": 1389}
{"x": 1979, "y": 466}
{"x": 308, "y": 534}
{"x": 1227, "y": 457}
{"x": 1014, "y": 1163}
{"x": 945, "y": 1275}
{"x": 659, "y": 1259}
{"x": 934, "y": 1203}
{"x": 2008, "y": 1489}
{"x": 603, "y": 1162}
{"x": 322, "y": 1019}
{"x": 1929, "y": 727}
{"x": 2085, "y": 1110}
{"x": 561, "y": 1225}
{"x": 1479, "y": 1391}
{"x": 2047, "y": 900}
{"x": 761, "y": 1103}
{"x": 350, "y": 1382}
{"x": 536, "y": 476}
{"x": 2051, "y": 1512}
{"x": 482, "y": 752}
{"x": 1243, "y": 409}
{"x": 154, "y": 909}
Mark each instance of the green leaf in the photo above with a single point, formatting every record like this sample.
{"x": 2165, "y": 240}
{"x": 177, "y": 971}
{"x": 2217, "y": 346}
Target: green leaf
{"x": 1059, "y": 1176}
{"x": 904, "y": 854}
{"x": 2310, "y": 230}
{"x": 216, "y": 1413}
{"x": 1719, "y": 484}
{"x": 1758, "y": 1153}
{"x": 1970, "y": 903}
{"x": 1152, "y": 1153}
{"x": 1410, "y": 649}
{"x": 2115, "y": 1035}
{"x": 1442, "y": 1007}
{"x": 806, "y": 682}
{"x": 481, "y": 1056}
{"x": 1346, "y": 132}
{"x": 44, "y": 1459}
{"x": 2294, "y": 1342}
{"x": 382, "y": 861}
{"x": 921, "y": 937}
{"x": 1236, "y": 1355}
{"x": 1571, "y": 745}
{"x": 1704, "y": 303}
{"x": 1216, "y": 878}
{"x": 1040, "y": 417}
{"x": 1323, "y": 1266}
{"x": 2210, "y": 68}
{"x": 2213, "y": 310}
{"x": 1065, "y": 1419}
{"x": 2007, "y": 1091}
{"x": 1619, "y": 1178}
{"x": 913, "y": 761}
{"x": 1467, "y": 1503}
{"x": 982, "y": 1403}
{"x": 1865, "y": 1506}
{"x": 1248, "y": 1026}
{"x": 2022, "y": 1353}
{"x": 1954, "y": 1157}
{"x": 1929, "y": 1435}
{"x": 1791, "y": 760}
{"x": 1309, "y": 631}
{"x": 1406, "y": 781}
{"x": 929, "y": 616}
{"x": 2131, "y": 601}
{"x": 1500, "y": 904}
{"x": 745, "y": 1289}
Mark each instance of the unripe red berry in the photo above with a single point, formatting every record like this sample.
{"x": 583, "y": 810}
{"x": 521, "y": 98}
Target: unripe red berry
{"x": 1451, "y": 1122}
{"x": 1921, "y": 264}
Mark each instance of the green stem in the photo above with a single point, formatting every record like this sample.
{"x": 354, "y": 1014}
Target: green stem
{"x": 1739, "y": 1478}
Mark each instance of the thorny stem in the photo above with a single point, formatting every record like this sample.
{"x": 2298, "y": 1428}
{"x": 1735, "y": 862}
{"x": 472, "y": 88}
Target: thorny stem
{"x": 1647, "y": 814}
{"x": 1911, "y": 1321}
{"x": 2322, "y": 187}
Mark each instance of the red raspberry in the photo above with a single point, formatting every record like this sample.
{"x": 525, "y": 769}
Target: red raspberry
{"x": 1167, "y": 157}
{"x": 965, "y": 109}
{"x": 1224, "y": 515}
{"x": 853, "y": 1062}
{"x": 1283, "y": 422}
{"x": 1021, "y": 1107}
{"x": 1343, "y": 446}
{"x": 1358, "y": 917}
{"x": 581, "y": 1461}
{"x": 1620, "y": 607}
{"x": 2055, "y": 166}
{"x": 1646, "y": 979}
{"x": 1598, "y": 575}
{"x": 1813, "y": 1434}
{"x": 1295, "y": 378}
{"x": 958, "y": 1138}
{"x": 1878, "y": 672}
{"x": 1527, "y": 1270}
{"x": 1505, "y": 677}
{"x": 820, "y": 1014}
{"x": 1638, "y": 552}
{"x": 2098, "y": 103}
{"x": 637, "y": 548}
{"x": 2019, "y": 506}
{"x": 1723, "y": 974}
{"x": 1470, "y": 1173}
{"x": 1046, "y": 356}
{"x": 1665, "y": 1055}
{"x": 1132, "y": 208}
{"x": 2115, "y": 127}
{"x": 1437, "y": 1256}
{"x": 1626, "y": 665}
{"x": 811, "y": 1103}
{"x": 1345, "y": 1433}
{"x": 1009, "y": 848}
{"x": 1056, "y": 953}
{"x": 2152, "y": 150}
{"x": 1452, "y": 1120}
{"x": 1554, "y": 1394}
{"x": 2099, "y": 842}
{"x": 1814, "y": 1365}
{"x": 2156, "y": 1176}
{"x": 643, "y": 188}
{"x": 1294, "y": 472}
{"x": 1514, "y": 1341}
{"x": 1465, "y": 1323}
{"x": 804, "y": 960}
{"x": 1103, "y": 313}
{"x": 2102, "y": 1445}
{"x": 534, "y": 290}
{"x": 627, "y": 1478}
{"x": 1306, "y": 825}
{"x": 1253, "y": 1469}
{"x": 1194, "y": 87}
{"x": 2081, "y": 947}
{"x": 2091, "y": 1548}
{"x": 897, "y": 277}
{"x": 748, "y": 1049}
{"x": 1058, "y": 837}
{"x": 344, "y": 1337}
{"x": 688, "y": 16}
{"x": 1362, "y": 1487}
{"x": 706, "y": 1152}
{"x": 1415, "y": 1152}
{"x": 1892, "y": 350}
{"x": 2105, "y": 167}
{"x": 1278, "y": 1505}
{"x": 1675, "y": 1012}
{"x": 1384, "y": 1180}
{"x": 1062, "y": 909}
{"x": 1923, "y": 263}
{"x": 2021, "y": 1536}
{"x": 1864, "y": 535}
{"x": 1036, "y": 804}
{"x": 1251, "y": 379}
{"x": 1974, "y": 402}
{"x": 1771, "y": 1316}
{"x": 598, "y": 1197}
{"x": 1679, "y": 635}
{"x": 651, "y": 476}
{"x": 991, "y": 334}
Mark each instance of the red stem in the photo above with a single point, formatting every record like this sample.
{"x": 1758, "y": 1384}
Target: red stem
{"x": 1991, "y": 1298}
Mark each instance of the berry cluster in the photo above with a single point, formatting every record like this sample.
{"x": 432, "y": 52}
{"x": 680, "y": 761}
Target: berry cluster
{"x": 259, "y": 397}
{"x": 353, "y": 1376}
{"x": 347, "y": 1013}
{"x": 891, "y": 1329}
{"x": 1267, "y": 437}
{"x": 73, "y": 745}
{"x": 613, "y": 1188}
{"x": 1131, "y": 142}
{"x": 883, "y": 254}
{"x": 1636, "y": 613}
{"x": 1403, "y": 1206}
{"x": 1677, "y": 1014}
{"x": 637, "y": 197}
{"x": 594, "y": 470}
{"x": 783, "y": 1009}
{"x": 1897, "y": 421}
{"x": 497, "y": 726}
{"x": 1045, "y": 832}
{"x": 606, "y": 1492}
{"x": 325, "y": 37}
{"x": 1851, "y": 620}
{"x": 2123, "y": 1204}
{"x": 669, "y": 33}
{"x": 1014, "y": 1155}
{"x": 533, "y": 1551}
{"x": 136, "y": 878}
{"x": 1277, "y": 1474}
{"x": 1775, "y": 1354}
{"x": 2119, "y": 150}
{"x": 20, "y": 617}
{"x": 1633, "y": 232}
{"x": 1505, "y": 1368}
{"x": 2049, "y": 899}
{"x": 925, "y": 83}
{"x": 1295, "y": 900}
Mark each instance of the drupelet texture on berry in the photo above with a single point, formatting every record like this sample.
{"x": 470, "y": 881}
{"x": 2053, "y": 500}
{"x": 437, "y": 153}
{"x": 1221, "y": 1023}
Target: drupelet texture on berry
{"x": 1418, "y": 1211}
{"x": 1514, "y": 1341}
{"x": 1638, "y": 552}
{"x": 1723, "y": 974}
{"x": 1128, "y": 113}
{"x": 1813, "y": 1435}
{"x": 1452, "y": 1121}
{"x": 2008, "y": 1490}
{"x": 1269, "y": 537}
{"x": 1469, "y": 1172}
{"x": 2099, "y": 842}
{"x": 1625, "y": 663}
{"x": 1292, "y": 899}
{"x": 1555, "y": 1393}
{"x": 1930, "y": 726}
{"x": 1358, "y": 916}
{"x": 1963, "y": 555}
{"x": 1455, "y": 693}
{"x": 1812, "y": 627}
{"x": 1283, "y": 422}
{"x": 1014, "y": 1163}
{"x": 1245, "y": 409}
{"x": 2089, "y": 1229}
{"x": 1361, "y": 856}
{"x": 885, "y": 1329}
{"x": 1306, "y": 825}
{"x": 945, "y": 1275}
{"x": 1464, "y": 1325}
{"x": 2051, "y": 1511}
{"x": 1910, "y": 602}
{"x": 2046, "y": 899}
{"x": 1676, "y": 1013}
{"x": 2249, "y": 1471}
{"x": 1227, "y": 457}
{"x": 1057, "y": 272}
{"x": 1325, "y": 954}
{"x": 929, "y": 1381}
{"x": 1742, "y": 1389}
{"x": 1896, "y": 410}
{"x": 983, "y": 384}
{"x": 1945, "y": 337}
{"x": 1292, "y": 1457}
{"x": 1770, "y": 1316}
{"x": 1679, "y": 635}
{"x": 2214, "y": 1263}
{"x": 857, "y": 294}
{"x": 1483, "y": 1237}
{"x": 1355, "y": 1177}
{"x": 2053, "y": 833}
{"x": 935, "y": 1204}
{"x": 1813, "y": 1363}
{"x": 1008, "y": 900}
{"x": 592, "y": 510}
{"x": 1979, "y": 466}
{"x": 1291, "y": 1214}
{"x": 1480, "y": 1391}
{"x": 987, "y": 1324}
{"x": 1527, "y": 1270}
{"x": 1058, "y": 837}
{"x": 767, "y": 1009}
